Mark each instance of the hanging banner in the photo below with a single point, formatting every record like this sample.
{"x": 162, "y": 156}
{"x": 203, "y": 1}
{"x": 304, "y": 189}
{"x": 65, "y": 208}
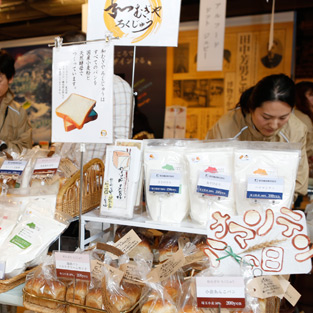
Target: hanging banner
{"x": 82, "y": 93}
{"x": 139, "y": 23}
{"x": 211, "y": 35}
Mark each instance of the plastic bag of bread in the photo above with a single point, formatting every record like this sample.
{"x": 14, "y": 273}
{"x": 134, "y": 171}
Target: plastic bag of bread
{"x": 156, "y": 299}
{"x": 195, "y": 258}
{"x": 144, "y": 248}
{"x": 187, "y": 302}
{"x": 43, "y": 289}
{"x": 173, "y": 284}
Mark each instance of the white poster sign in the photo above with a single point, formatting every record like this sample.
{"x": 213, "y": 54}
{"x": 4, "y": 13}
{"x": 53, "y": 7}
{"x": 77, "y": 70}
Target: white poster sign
{"x": 274, "y": 243}
{"x": 211, "y": 35}
{"x": 82, "y": 96}
{"x": 175, "y": 122}
{"x": 139, "y": 23}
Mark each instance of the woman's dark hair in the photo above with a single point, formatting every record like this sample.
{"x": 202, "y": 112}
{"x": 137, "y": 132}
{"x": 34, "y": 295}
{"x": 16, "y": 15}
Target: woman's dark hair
{"x": 7, "y": 64}
{"x": 301, "y": 100}
{"x": 271, "y": 88}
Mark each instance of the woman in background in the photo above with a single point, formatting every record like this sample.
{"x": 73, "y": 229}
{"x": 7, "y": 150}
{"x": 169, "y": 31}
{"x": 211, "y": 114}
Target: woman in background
{"x": 265, "y": 113}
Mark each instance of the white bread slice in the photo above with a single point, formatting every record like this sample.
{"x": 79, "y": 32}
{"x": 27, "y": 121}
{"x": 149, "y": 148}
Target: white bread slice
{"x": 68, "y": 126}
{"x": 75, "y": 109}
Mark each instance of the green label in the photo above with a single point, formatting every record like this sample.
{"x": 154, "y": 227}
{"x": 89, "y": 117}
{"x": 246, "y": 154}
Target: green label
{"x": 20, "y": 242}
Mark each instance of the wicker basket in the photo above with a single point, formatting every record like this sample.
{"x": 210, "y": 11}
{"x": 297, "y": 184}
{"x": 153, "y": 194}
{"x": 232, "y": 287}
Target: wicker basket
{"x": 8, "y": 284}
{"x": 68, "y": 196}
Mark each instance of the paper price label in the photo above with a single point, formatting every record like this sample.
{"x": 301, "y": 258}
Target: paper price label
{"x": 265, "y": 287}
{"x": 168, "y": 182}
{"x": 69, "y": 265}
{"x": 268, "y": 188}
{"x": 214, "y": 184}
{"x": 226, "y": 292}
{"x": 13, "y": 167}
{"x": 47, "y": 165}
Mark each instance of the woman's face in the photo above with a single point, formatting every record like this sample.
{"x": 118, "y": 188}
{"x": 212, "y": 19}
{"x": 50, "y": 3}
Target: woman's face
{"x": 309, "y": 95}
{"x": 4, "y": 85}
{"x": 271, "y": 116}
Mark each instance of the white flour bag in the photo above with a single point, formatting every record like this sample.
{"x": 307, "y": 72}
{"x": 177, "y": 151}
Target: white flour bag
{"x": 166, "y": 187}
{"x": 265, "y": 175}
{"x": 210, "y": 177}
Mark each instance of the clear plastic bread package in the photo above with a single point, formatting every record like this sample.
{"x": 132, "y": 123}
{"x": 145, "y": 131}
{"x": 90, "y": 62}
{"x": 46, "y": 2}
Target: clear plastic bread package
{"x": 166, "y": 188}
{"x": 210, "y": 179}
{"x": 121, "y": 181}
{"x": 265, "y": 175}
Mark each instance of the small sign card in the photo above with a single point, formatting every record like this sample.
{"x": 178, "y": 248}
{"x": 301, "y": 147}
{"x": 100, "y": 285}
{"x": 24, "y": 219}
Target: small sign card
{"x": 274, "y": 243}
{"x": 72, "y": 265}
{"x": 224, "y": 292}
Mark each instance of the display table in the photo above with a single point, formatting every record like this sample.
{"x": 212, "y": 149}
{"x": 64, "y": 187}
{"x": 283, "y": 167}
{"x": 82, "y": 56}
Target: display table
{"x": 139, "y": 220}
{"x": 13, "y": 297}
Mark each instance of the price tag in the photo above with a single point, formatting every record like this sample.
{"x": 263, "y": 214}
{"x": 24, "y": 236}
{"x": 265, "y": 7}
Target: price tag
{"x": 70, "y": 265}
{"x": 268, "y": 188}
{"x": 13, "y": 167}
{"x": 214, "y": 184}
{"x": 168, "y": 182}
{"x": 2, "y": 269}
{"x": 46, "y": 165}
{"x": 226, "y": 292}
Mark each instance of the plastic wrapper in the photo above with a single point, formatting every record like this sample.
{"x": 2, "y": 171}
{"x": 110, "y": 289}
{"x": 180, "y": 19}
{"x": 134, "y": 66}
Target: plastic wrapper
{"x": 31, "y": 237}
{"x": 43, "y": 283}
{"x": 166, "y": 189}
{"x": 156, "y": 299}
{"x": 10, "y": 211}
{"x": 265, "y": 175}
{"x": 210, "y": 178}
{"x": 187, "y": 301}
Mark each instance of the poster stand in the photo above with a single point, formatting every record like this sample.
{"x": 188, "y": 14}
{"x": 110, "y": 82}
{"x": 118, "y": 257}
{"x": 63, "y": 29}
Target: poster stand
{"x": 58, "y": 42}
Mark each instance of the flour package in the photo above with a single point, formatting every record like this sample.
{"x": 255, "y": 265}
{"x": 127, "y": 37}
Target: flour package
{"x": 10, "y": 211}
{"x": 210, "y": 179}
{"x": 121, "y": 180}
{"x": 265, "y": 175}
{"x": 166, "y": 187}
{"x": 29, "y": 239}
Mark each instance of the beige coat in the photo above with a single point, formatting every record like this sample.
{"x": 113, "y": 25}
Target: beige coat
{"x": 15, "y": 128}
{"x": 304, "y": 118}
{"x": 235, "y": 125}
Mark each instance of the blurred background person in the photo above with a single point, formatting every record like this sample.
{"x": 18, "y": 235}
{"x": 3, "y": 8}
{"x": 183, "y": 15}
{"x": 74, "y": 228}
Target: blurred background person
{"x": 264, "y": 113}
{"x": 15, "y": 128}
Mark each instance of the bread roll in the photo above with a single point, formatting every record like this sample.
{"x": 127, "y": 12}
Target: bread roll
{"x": 76, "y": 293}
{"x": 190, "y": 309}
{"x": 158, "y": 306}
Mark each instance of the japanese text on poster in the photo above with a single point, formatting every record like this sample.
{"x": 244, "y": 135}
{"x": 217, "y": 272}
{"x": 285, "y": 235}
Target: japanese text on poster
{"x": 140, "y": 23}
{"x": 82, "y": 97}
{"x": 211, "y": 35}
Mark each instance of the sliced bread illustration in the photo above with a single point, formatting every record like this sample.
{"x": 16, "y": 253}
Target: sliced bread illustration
{"x": 68, "y": 126}
{"x": 75, "y": 109}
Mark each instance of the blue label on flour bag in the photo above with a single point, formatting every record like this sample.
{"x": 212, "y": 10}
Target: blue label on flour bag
{"x": 165, "y": 182}
{"x": 214, "y": 184}
{"x": 268, "y": 188}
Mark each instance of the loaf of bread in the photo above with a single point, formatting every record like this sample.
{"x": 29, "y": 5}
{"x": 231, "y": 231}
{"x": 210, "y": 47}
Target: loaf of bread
{"x": 75, "y": 109}
{"x": 50, "y": 289}
{"x": 123, "y": 298}
{"x": 76, "y": 293}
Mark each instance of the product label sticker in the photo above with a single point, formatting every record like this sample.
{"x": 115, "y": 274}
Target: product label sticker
{"x": 268, "y": 188}
{"x": 68, "y": 167}
{"x": 168, "y": 182}
{"x": 2, "y": 269}
{"x": 214, "y": 184}
{"x": 224, "y": 292}
{"x": 13, "y": 167}
{"x": 69, "y": 265}
{"x": 26, "y": 236}
{"x": 128, "y": 242}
